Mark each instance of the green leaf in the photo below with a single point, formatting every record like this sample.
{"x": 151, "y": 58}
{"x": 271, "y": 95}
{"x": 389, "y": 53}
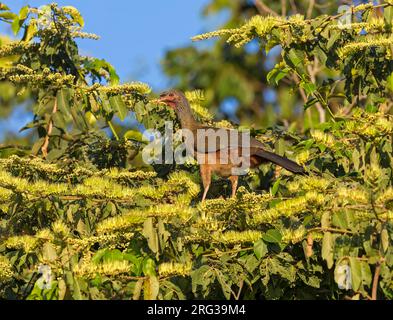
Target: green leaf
{"x": 30, "y": 31}
{"x": 356, "y": 273}
{"x": 76, "y": 293}
{"x": 137, "y": 289}
{"x": 328, "y": 249}
{"x": 308, "y": 87}
{"x": 20, "y": 19}
{"x": 310, "y": 102}
{"x": 385, "y": 240}
{"x": 62, "y": 289}
{"x": 133, "y": 135}
{"x": 37, "y": 146}
{"x": 140, "y": 111}
{"x": 371, "y": 108}
{"x": 95, "y": 65}
{"x": 97, "y": 258}
{"x": 307, "y": 220}
{"x": 275, "y": 187}
{"x": 295, "y": 59}
{"x": 119, "y": 106}
{"x": 388, "y": 15}
{"x": 356, "y": 159}
{"x": 112, "y": 255}
{"x": 366, "y": 274}
{"x": 59, "y": 121}
{"x": 105, "y": 103}
{"x": 63, "y": 98}
{"x": 260, "y": 249}
{"x": 277, "y": 74}
{"x": 272, "y": 236}
{"x": 24, "y": 11}
{"x": 339, "y": 219}
{"x": 151, "y": 288}
{"x": 389, "y": 82}
{"x": 150, "y": 233}
{"x": 75, "y": 15}
{"x": 149, "y": 267}
{"x": 93, "y": 104}
{"x": 8, "y": 15}
{"x": 325, "y": 219}
{"x": 15, "y": 26}
{"x": 3, "y": 7}
{"x": 335, "y": 35}
{"x": 49, "y": 251}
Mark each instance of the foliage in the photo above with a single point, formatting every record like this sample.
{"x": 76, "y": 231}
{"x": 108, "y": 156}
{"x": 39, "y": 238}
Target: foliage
{"x": 355, "y": 43}
{"x": 82, "y": 218}
{"x": 235, "y": 78}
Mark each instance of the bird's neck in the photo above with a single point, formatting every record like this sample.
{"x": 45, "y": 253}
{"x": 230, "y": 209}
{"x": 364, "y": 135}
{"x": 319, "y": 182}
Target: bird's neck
{"x": 186, "y": 118}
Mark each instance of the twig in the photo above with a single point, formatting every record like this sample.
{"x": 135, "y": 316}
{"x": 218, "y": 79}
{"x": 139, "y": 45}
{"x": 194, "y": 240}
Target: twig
{"x": 304, "y": 97}
{"x": 44, "y": 148}
{"x": 13, "y": 146}
{"x": 293, "y": 6}
{"x": 375, "y": 281}
{"x": 230, "y": 251}
{"x": 312, "y": 70}
{"x": 310, "y": 8}
{"x": 283, "y": 8}
{"x": 237, "y": 297}
{"x": 331, "y": 229}
{"x": 263, "y": 8}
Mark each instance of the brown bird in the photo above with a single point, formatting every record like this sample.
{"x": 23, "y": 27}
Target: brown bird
{"x": 218, "y": 150}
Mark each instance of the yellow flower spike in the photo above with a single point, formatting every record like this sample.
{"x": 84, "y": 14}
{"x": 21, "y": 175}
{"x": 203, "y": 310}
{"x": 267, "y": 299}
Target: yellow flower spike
{"x": 174, "y": 269}
{"x": 353, "y": 195}
{"x": 385, "y": 197}
{"x": 6, "y": 272}
{"x": 325, "y": 138}
{"x": 113, "y": 268}
{"x": 315, "y": 198}
{"x": 233, "y": 237}
{"x": 45, "y": 234}
{"x": 302, "y": 157}
{"x": 122, "y": 222}
{"x": 27, "y": 243}
{"x": 60, "y": 228}
{"x": 118, "y": 238}
{"x": 293, "y": 236}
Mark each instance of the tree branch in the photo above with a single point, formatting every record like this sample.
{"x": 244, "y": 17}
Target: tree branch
{"x": 375, "y": 281}
{"x": 263, "y": 8}
{"x": 44, "y": 148}
{"x": 283, "y": 8}
{"x": 310, "y": 8}
{"x": 293, "y": 6}
{"x": 13, "y": 146}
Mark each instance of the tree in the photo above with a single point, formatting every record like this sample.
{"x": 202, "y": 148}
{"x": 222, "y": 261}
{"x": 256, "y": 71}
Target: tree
{"x": 234, "y": 78}
{"x": 81, "y": 217}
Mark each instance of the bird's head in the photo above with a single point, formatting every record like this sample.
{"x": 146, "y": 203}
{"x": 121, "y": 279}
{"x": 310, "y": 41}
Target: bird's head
{"x": 173, "y": 98}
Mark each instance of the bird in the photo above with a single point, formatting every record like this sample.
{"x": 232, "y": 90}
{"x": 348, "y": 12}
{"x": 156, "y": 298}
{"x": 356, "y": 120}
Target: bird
{"x": 218, "y": 157}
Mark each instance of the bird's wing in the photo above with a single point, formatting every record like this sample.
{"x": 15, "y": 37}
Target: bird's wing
{"x": 210, "y": 139}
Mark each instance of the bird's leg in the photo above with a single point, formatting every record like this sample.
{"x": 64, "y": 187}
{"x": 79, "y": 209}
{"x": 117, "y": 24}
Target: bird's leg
{"x": 234, "y": 181}
{"x": 206, "y": 179}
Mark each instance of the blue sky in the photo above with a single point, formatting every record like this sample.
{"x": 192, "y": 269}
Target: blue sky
{"x": 134, "y": 36}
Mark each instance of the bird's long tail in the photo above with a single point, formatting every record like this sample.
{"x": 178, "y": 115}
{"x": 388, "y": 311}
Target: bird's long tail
{"x": 281, "y": 161}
